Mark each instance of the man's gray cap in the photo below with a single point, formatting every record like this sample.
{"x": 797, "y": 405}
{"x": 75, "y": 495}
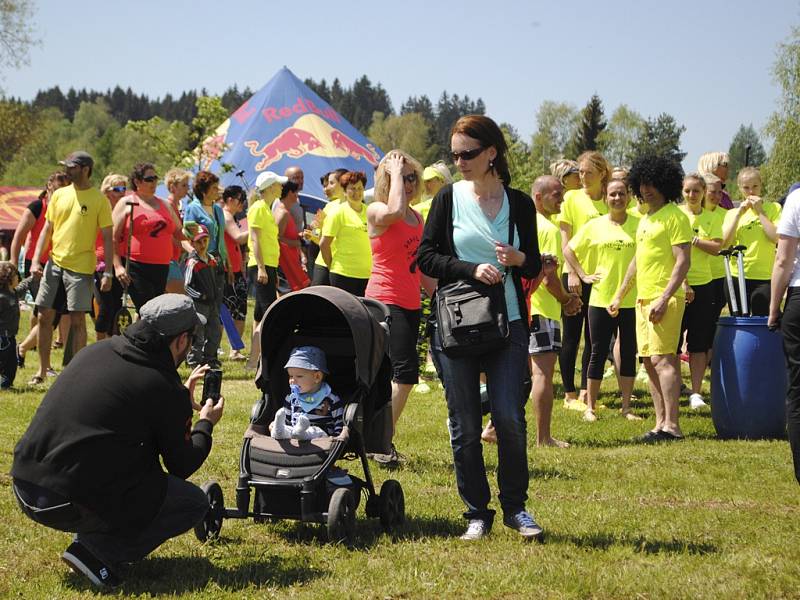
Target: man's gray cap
{"x": 79, "y": 158}
{"x": 171, "y": 314}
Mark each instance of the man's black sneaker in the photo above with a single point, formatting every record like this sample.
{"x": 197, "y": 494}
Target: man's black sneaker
{"x": 80, "y": 560}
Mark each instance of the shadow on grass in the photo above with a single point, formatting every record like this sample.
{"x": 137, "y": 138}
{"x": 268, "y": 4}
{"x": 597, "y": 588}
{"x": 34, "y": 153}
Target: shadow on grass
{"x": 175, "y": 575}
{"x": 604, "y": 541}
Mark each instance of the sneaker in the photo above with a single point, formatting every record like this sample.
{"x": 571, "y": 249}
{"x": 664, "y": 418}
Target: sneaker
{"x": 391, "y": 460}
{"x": 696, "y": 402}
{"x": 589, "y": 416}
{"x": 51, "y": 372}
{"x": 522, "y": 522}
{"x": 575, "y": 404}
{"x": 422, "y": 388}
{"x": 476, "y": 530}
{"x": 82, "y": 561}
{"x": 651, "y": 437}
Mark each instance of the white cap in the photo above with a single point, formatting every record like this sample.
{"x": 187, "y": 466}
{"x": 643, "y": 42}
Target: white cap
{"x": 267, "y": 178}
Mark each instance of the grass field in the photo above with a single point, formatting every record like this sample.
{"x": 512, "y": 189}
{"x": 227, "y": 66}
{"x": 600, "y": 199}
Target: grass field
{"x": 700, "y": 518}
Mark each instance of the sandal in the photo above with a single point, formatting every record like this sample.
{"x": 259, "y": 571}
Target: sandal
{"x": 36, "y": 380}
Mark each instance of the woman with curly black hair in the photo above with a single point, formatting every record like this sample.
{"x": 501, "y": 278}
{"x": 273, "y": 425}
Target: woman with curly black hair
{"x": 662, "y": 260}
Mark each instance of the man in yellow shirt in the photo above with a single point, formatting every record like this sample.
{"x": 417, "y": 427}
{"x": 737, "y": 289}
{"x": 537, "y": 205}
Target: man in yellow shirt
{"x": 75, "y": 214}
{"x": 662, "y": 260}
{"x": 546, "y": 304}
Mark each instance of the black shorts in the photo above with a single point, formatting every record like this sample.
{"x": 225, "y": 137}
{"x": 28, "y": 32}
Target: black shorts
{"x": 403, "y": 344}
{"x": 698, "y": 320}
{"x": 147, "y": 282}
{"x": 235, "y": 297}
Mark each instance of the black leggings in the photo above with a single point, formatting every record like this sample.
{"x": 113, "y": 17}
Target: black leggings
{"x": 602, "y": 326}
{"x": 355, "y": 286}
{"x": 718, "y": 289}
{"x": 570, "y": 340}
{"x": 266, "y": 293}
{"x": 757, "y": 295}
{"x": 147, "y": 282}
{"x": 790, "y": 328}
{"x": 699, "y": 321}
{"x": 108, "y": 303}
{"x": 321, "y": 275}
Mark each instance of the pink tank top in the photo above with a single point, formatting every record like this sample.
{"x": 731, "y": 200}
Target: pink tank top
{"x": 395, "y": 277}
{"x": 151, "y": 242}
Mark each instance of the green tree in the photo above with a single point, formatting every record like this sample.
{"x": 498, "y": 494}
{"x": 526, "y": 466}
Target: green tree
{"x": 16, "y": 32}
{"x": 409, "y": 132}
{"x": 555, "y": 126}
{"x": 39, "y": 155}
{"x": 783, "y": 166}
{"x": 661, "y": 135}
{"x": 591, "y": 125}
{"x": 617, "y": 141}
{"x": 522, "y": 169}
{"x": 18, "y": 122}
{"x": 738, "y": 151}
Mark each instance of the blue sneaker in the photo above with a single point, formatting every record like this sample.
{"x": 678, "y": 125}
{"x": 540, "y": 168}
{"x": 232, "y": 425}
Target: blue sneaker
{"x": 522, "y": 522}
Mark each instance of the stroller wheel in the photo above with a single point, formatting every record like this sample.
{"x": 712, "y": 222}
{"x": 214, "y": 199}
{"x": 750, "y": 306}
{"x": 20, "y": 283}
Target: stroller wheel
{"x": 341, "y": 516}
{"x": 209, "y": 526}
{"x": 393, "y": 504}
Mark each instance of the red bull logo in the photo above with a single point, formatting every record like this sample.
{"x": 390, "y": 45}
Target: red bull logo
{"x": 310, "y": 134}
{"x": 291, "y": 142}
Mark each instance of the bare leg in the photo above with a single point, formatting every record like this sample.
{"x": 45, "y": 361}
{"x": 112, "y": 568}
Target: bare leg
{"x": 592, "y": 393}
{"x": 30, "y": 340}
{"x": 77, "y": 322}
{"x": 667, "y": 367}
{"x": 400, "y": 392}
{"x": 697, "y": 367}
{"x": 45, "y": 338}
{"x": 542, "y": 369}
{"x": 239, "y": 325}
{"x": 655, "y": 392}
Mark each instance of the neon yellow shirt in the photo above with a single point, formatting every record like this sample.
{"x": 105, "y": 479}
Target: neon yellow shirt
{"x": 760, "y": 254}
{"x": 706, "y": 227}
{"x": 605, "y": 248}
{"x": 578, "y": 209}
{"x": 259, "y": 216}
{"x": 542, "y": 301}
{"x": 76, "y": 216}
{"x": 423, "y": 208}
{"x": 328, "y": 210}
{"x": 718, "y": 262}
{"x": 352, "y": 256}
{"x": 656, "y": 235}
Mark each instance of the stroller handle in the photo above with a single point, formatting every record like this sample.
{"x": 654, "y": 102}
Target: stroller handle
{"x": 378, "y": 310}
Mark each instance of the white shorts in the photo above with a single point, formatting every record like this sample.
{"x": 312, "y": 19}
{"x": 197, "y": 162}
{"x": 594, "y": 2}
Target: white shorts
{"x": 545, "y": 335}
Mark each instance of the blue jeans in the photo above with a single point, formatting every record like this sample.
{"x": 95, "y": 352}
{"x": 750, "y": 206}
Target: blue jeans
{"x": 506, "y": 371}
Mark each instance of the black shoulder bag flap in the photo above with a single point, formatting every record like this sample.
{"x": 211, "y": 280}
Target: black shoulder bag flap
{"x": 472, "y": 316}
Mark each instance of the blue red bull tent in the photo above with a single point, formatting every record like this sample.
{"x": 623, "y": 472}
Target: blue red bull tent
{"x": 286, "y": 124}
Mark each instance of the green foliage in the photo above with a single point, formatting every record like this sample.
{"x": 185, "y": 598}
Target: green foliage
{"x": 617, "y": 141}
{"x": 358, "y": 103}
{"x": 556, "y": 123}
{"x": 783, "y": 167}
{"x": 745, "y": 136}
{"x": 16, "y": 32}
{"x": 409, "y": 132}
{"x": 523, "y": 170}
{"x": 661, "y": 135}
{"x": 590, "y": 127}
{"x": 18, "y": 122}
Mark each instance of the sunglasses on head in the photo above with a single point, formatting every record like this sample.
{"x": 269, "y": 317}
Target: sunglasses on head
{"x": 150, "y": 178}
{"x": 410, "y": 178}
{"x": 119, "y": 188}
{"x": 467, "y": 154}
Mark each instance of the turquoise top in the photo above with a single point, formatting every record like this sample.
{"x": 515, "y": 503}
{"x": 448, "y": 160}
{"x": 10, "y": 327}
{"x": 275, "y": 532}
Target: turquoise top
{"x": 474, "y": 235}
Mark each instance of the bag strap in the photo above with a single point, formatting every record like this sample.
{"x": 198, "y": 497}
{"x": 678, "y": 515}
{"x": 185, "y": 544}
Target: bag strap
{"x": 510, "y": 230}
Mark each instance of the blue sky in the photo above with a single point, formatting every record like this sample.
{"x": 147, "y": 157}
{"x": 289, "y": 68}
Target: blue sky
{"x": 706, "y": 62}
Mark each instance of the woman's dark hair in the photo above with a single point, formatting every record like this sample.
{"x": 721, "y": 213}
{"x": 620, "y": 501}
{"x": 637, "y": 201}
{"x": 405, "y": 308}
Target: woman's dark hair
{"x": 234, "y": 191}
{"x": 662, "y": 172}
{"x": 339, "y": 172}
{"x": 487, "y": 132}
{"x": 138, "y": 172}
{"x": 352, "y": 178}
{"x": 202, "y": 182}
{"x": 289, "y": 186}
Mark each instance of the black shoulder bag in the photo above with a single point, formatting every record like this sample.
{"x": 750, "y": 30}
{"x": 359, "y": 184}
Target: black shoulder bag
{"x": 473, "y": 316}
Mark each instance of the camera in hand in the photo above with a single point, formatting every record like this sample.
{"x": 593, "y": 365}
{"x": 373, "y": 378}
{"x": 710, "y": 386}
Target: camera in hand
{"x": 212, "y": 385}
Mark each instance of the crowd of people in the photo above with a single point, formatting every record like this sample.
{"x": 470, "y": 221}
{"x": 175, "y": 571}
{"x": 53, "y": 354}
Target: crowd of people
{"x": 625, "y": 258}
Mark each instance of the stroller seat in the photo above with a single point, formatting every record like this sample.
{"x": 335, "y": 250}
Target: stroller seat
{"x": 285, "y": 459}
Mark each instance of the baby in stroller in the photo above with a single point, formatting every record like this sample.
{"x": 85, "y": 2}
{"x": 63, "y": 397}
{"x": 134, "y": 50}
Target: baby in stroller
{"x": 310, "y": 410}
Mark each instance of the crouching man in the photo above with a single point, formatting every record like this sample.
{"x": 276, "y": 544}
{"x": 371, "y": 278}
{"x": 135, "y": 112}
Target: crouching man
{"x": 89, "y": 461}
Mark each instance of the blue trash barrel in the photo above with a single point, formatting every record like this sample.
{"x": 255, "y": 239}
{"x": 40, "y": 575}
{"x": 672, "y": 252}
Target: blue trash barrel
{"x": 748, "y": 380}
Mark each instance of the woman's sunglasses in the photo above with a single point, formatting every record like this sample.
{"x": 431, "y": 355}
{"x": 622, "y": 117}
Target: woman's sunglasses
{"x": 119, "y": 189}
{"x": 467, "y": 154}
{"x": 150, "y": 178}
{"x": 410, "y": 178}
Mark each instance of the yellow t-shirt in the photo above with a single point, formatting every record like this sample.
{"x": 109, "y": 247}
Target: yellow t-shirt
{"x": 656, "y": 235}
{"x": 706, "y": 227}
{"x": 605, "y": 248}
{"x": 259, "y": 216}
{"x": 718, "y": 262}
{"x": 578, "y": 209}
{"x": 542, "y": 301}
{"x": 328, "y": 210}
{"x": 352, "y": 255}
{"x": 423, "y": 208}
{"x": 760, "y": 254}
{"x": 76, "y": 216}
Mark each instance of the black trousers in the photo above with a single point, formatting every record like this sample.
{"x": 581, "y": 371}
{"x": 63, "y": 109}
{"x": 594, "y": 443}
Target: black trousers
{"x": 147, "y": 282}
{"x": 790, "y": 327}
{"x": 355, "y": 286}
{"x": 266, "y": 293}
{"x": 570, "y": 340}
{"x": 603, "y": 326}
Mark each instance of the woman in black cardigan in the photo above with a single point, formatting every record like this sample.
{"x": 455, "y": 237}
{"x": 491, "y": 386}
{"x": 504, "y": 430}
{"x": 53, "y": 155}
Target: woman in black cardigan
{"x": 466, "y": 237}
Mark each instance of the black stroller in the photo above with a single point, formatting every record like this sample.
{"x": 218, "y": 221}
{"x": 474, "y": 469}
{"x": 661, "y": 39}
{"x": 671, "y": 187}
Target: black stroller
{"x": 293, "y": 479}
